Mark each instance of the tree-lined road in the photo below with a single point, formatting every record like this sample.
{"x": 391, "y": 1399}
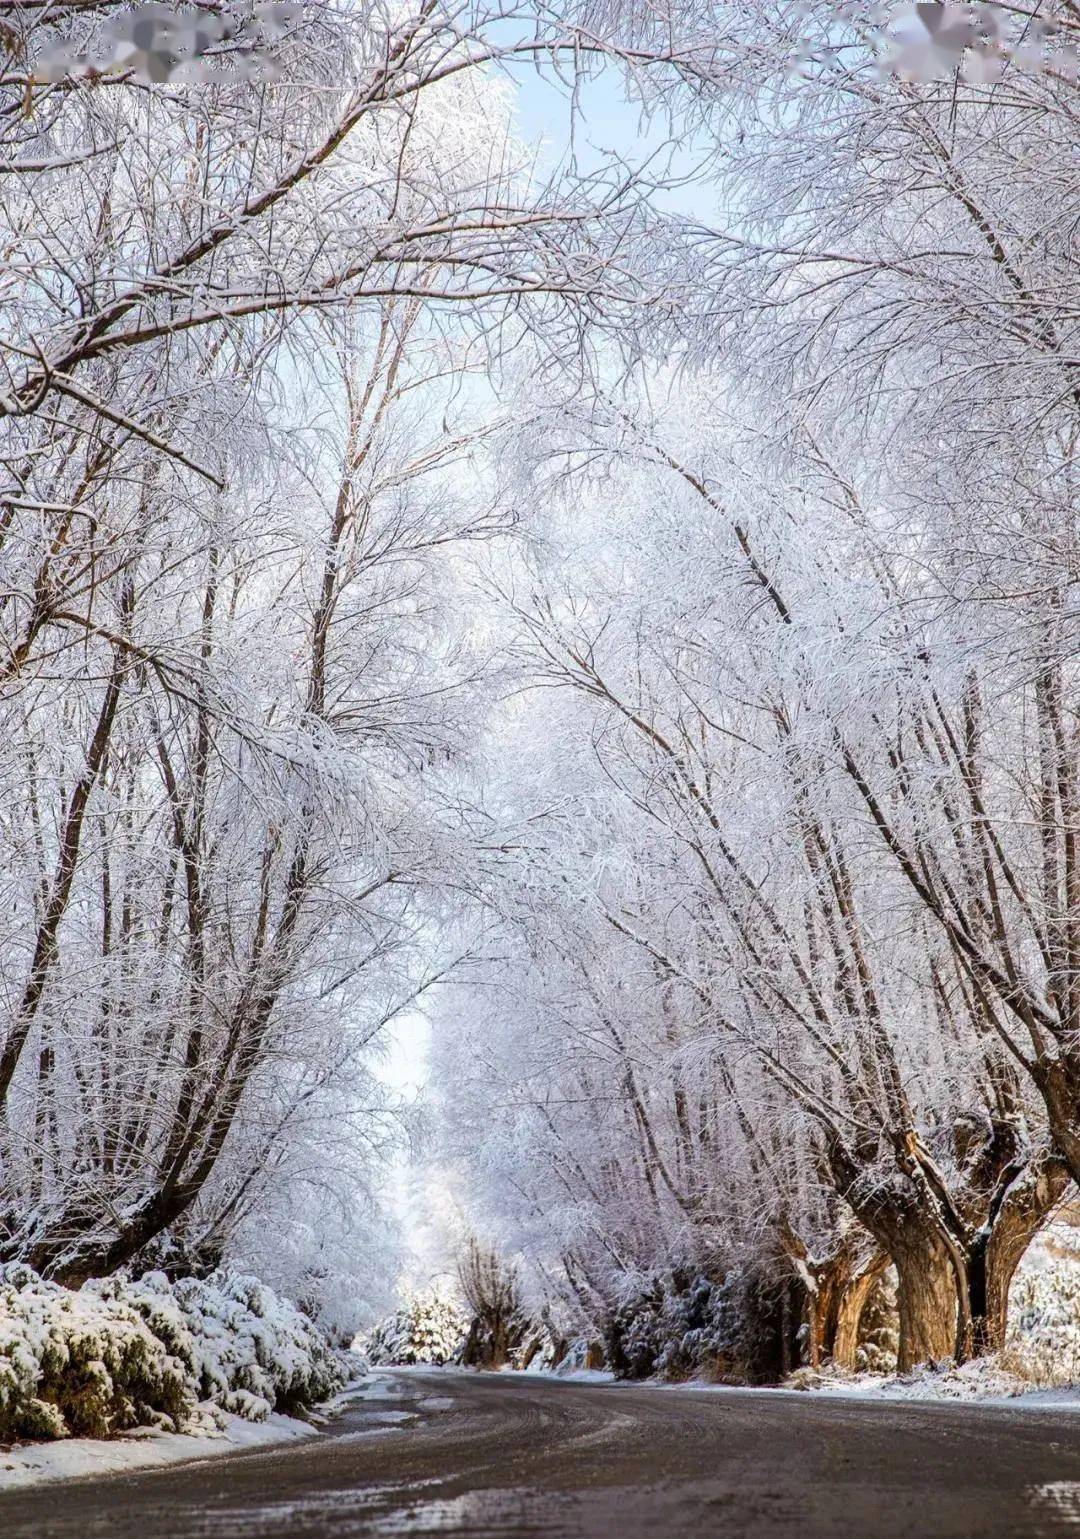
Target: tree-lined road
{"x": 499, "y": 1455}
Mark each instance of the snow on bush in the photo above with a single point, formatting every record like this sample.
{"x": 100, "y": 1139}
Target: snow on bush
{"x": 248, "y": 1350}
{"x": 428, "y": 1328}
{"x": 682, "y": 1325}
{"x": 879, "y": 1328}
{"x": 1044, "y": 1310}
{"x": 118, "y": 1354}
{"x": 83, "y": 1363}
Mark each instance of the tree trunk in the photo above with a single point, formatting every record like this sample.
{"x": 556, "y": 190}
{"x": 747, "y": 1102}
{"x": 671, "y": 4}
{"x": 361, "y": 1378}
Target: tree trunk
{"x": 832, "y": 1291}
{"x": 849, "y": 1313}
{"x": 1000, "y": 1246}
{"x": 830, "y": 1297}
{"x": 926, "y": 1298}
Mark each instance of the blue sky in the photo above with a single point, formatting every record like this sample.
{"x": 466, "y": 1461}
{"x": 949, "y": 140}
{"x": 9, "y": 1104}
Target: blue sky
{"x": 608, "y": 126}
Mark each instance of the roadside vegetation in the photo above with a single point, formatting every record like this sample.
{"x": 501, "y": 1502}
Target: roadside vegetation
{"x": 115, "y": 1355}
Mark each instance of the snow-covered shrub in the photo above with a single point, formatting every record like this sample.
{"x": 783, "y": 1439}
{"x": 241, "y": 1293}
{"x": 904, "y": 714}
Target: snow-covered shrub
{"x": 428, "y": 1328}
{"x": 248, "y": 1350}
{"x": 83, "y": 1363}
{"x": 117, "y": 1354}
{"x": 683, "y": 1325}
{"x": 1044, "y": 1319}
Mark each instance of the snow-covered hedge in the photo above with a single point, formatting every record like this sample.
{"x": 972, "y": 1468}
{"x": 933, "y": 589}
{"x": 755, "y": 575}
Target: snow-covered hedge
{"x": 428, "y": 1328}
{"x": 118, "y": 1354}
{"x": 248, "y": 1350}
{"x": 82, "y": 1363}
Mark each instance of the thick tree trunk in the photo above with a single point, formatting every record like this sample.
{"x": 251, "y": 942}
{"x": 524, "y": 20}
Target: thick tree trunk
{"x": 926, "y": 1298}
{"x": 833, "y": 1290}
{"x": 849, "y": 1314}
{"x": 818, "y": 1321}
{"x": 1058, "y": 1080}
{"x": 1001, "y": 1245}
{"x": 833, "y": 1310}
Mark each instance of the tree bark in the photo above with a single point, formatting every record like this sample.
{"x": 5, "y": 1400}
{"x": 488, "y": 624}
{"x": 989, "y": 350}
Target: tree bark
{"x": 1000, "y": 1246}
{"x": 849, "y": 1313}
{"x": 834, "y": 1291}
{"x": 926, "y": 1297}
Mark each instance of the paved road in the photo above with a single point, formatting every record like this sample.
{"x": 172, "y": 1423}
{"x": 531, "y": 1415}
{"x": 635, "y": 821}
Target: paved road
{"x": 490, "y": 1455}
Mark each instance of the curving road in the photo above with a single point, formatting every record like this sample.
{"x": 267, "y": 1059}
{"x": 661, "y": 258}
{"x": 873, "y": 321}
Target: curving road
{"x": 485, "y": 1455}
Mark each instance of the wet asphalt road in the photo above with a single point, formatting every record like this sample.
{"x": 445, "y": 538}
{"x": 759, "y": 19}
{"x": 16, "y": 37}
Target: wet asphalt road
{"x": 443, "y": 1454}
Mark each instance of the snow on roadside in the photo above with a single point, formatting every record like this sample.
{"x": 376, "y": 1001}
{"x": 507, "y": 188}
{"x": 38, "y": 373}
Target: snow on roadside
{"x": 31, "y": 1464}
{"x": 988, "y": 1379}
{"x": 584, "y": 1375}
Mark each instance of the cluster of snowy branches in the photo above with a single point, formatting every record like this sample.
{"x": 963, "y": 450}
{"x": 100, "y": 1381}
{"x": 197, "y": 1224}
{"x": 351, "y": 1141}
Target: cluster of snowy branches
{"x": 246, "y": 326}
{"x": 783, "y": 893}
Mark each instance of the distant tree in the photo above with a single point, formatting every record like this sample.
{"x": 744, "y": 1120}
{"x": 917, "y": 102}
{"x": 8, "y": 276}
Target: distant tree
{"x": 491, "y": 1289}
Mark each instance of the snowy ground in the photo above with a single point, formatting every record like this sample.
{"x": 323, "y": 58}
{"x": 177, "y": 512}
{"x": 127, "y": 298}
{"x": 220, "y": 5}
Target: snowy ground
{"x": 985, "y": 1381}
{"x": 28, "y": 1464}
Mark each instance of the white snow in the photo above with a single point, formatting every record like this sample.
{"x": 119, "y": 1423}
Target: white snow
{"x": 572, "y": 1375}
{"x": 26, "y": 1464}
{"x": 29, "y": 1464}
{"x": 1060, "y": 1500}
{"x": 984, "y": 1381}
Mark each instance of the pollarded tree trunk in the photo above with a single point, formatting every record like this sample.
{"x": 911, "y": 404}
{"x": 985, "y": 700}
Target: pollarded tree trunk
{"x": 834, "y": 1308}
{"x": 850, "y": 1311}
{"x": 822, "y": 1286}
{"x": 834, "y": 1289}
{"x": 955, "y": 1254}
{"x": 926, "y": 1297}
{"x": 997, "y": 1250}
{"x": 1058, "y": 1079}
{"x": 900, "y": 1214}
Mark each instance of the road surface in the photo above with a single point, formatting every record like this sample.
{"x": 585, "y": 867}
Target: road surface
{"x": 487, "y": 1455}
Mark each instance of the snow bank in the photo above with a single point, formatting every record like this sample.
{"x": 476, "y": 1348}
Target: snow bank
{"x": 117, "y": 1354}
{"x": 1008, "y": 1375}
{"x": 37, "y": 1463}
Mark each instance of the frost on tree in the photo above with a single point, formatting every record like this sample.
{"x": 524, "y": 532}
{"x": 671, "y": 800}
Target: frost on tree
{"x": 429, "y": 1327}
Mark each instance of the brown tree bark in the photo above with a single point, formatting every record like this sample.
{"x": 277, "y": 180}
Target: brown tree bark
{"x": 835, "y": 1289}
{"x": 849, "y": 1313}
{"x": 926, "y": 1297}
{"x": 999, "y": 1247}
